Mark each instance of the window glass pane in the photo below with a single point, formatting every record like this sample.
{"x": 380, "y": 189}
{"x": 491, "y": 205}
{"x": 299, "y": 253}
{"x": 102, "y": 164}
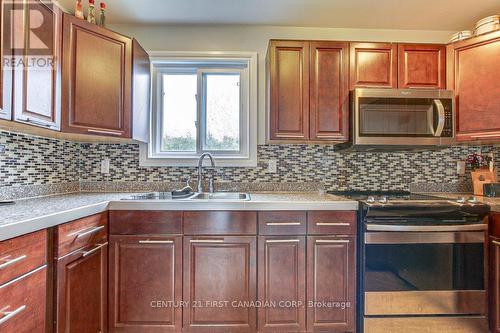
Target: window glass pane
{"x": 222, "y": 112}
{"x": 179, "y": 112}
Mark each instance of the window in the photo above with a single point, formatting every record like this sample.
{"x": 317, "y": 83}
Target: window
{"x": 203, "y": 104}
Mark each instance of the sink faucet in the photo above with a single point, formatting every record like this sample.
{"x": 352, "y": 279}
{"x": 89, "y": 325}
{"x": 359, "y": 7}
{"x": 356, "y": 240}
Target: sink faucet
{"x": 200, "y": 170}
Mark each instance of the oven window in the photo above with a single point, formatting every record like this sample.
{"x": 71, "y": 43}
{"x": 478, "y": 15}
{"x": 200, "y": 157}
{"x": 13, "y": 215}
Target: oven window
{"x": 398, "y": 116}
{"x": 412, "y": 267}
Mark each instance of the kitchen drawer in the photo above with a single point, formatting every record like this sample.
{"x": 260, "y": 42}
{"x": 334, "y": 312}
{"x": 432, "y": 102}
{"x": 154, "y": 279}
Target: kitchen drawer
{"x": 331, "y": 222}
{"x": 81, "y": 233}
{"x": 136, "y": 222}
{"x": 282, "y": 223}
{"x": 22, "y": 303}
{"x": 220, "y": 223}
{"x": 22, "y": 254}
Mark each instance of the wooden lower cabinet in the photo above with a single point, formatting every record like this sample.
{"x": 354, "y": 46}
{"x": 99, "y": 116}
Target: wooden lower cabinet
{"x": 145, "y": 284}
{"x": 331, "y": 284}
{"x": 282, "y": 284}
{"x": 81, "y": 290}
{"x": 494, "y": 293}
{"x": 219, "y": 282}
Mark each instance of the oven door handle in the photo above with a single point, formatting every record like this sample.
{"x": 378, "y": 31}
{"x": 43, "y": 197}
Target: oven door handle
{"x": 420, "y": 228}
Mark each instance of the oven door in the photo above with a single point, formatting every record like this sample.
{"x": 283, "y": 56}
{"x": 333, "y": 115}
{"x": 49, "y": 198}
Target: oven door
{"x": 424, "y": 273}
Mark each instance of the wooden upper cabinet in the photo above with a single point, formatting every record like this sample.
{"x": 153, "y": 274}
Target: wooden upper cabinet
{"x": 473, "y": 72}
{"x": 37, "y": 78}
{"x": 5, "y": 53}
{"x": 221, "y": 268}
{"x": 97, "y": 74}
{"x": 145, "y": 284}
{"x": 289, "y": 90}
{"x": 373, "y": 65}
{"x": 329, "y": 91}
{"x": 422, "y": 66}
{"x": 331, "y": 276}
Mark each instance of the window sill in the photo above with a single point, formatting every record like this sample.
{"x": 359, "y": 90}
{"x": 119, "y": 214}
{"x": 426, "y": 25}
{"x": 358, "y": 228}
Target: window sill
{"x": 222, "y": 161}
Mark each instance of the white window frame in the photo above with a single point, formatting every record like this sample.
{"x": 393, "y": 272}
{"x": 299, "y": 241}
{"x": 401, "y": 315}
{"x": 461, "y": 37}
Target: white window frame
{"x": 163, "y": 62}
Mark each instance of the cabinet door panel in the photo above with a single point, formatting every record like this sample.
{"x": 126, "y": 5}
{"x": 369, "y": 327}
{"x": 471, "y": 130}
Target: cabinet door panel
{"x": 145, "y": 284}
{"x": 331, "y": 277}
{"x": 422, "y": 66}
{"x": 37, "y": 84}
{"x": 97, "y": 79}
{"x": 82, "y": 291}
{"x": 494, "y": 273}
{"x": 373, "y": 65}
{"x": 219, "y": 269}
{"x": 476, "y": 68}
{"x": 289, "y": 91}
{"x": 282, "y": 278}
{"x": 329, "y": 91}
{"x": 6, "y": 53}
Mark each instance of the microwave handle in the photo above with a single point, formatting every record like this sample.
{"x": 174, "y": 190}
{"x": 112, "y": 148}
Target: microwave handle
{"x": 441, "y": 117}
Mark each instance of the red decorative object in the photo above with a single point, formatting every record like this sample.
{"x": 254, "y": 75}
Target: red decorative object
{"x": 91, "y": 12}
{"x": 102, "y": 16}
{"x": 79, "y": 10}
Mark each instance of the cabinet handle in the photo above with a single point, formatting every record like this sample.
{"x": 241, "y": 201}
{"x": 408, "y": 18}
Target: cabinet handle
{"x": 11, "y": 314}
{"x": 338, "y": 224}
{"x": 282, "y": 240}
{"x": 283, "y": 223}
{"x": 86, "y": 233}
{"x": 85, "y": 254}
{"x": 496, "y": 242}
{"x": 345, "y": 241}
{"x": 12, "y": 261}
{"x": 147, "y": 241}
{"x": 104, "y": 132}
{"x": 38, "y": 122}
{"x": 206, "y": 241}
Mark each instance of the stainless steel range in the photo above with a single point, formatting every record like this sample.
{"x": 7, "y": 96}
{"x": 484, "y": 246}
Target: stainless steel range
{"x": 422, "y": 263}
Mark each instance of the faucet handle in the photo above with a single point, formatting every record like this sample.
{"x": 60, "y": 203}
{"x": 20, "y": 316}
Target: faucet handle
{"x": 211, "y": 184}
{"x": 187, "y": 179}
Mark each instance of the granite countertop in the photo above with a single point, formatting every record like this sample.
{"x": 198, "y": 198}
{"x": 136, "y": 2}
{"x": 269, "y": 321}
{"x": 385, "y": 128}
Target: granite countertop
{"x": 29, "y": 215}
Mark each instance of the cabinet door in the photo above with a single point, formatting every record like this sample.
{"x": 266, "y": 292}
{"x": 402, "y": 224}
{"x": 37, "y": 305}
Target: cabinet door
{"x": 289, "y": 90}
{"x": 97, "y": 69}
{"x": 219, "y": 282}
{"x": 82, "y": 291}
{"x": 373, "y": 65}
{"x": 475, "y": 65}
{"x": 5, "y": 53}
{"x": 331, "y": 284}
{"x": 282, "y": 284}
{"x": 422, "y": 66}
{"x": 329, "y": 91}
{"x": 37, "y": 74}
{"x": 494, "y": 275}
{"x": 145, "y": 284}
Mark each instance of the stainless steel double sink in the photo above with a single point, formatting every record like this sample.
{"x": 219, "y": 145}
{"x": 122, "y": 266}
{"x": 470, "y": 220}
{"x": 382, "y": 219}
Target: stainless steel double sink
{"x": 215, "y": 196}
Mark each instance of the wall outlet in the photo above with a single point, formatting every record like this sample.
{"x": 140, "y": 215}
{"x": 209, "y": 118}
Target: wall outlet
{"x": 105, "y": 166}
{"x": 461, "y": 168}
{"x": 272, "y": 166}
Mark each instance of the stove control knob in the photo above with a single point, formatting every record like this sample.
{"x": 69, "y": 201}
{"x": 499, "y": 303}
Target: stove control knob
{"x": 383, "y": 200}
{"x": 461, "y": 200}
{"x": 370, "y": 199}
{"x": 472, "y": 200}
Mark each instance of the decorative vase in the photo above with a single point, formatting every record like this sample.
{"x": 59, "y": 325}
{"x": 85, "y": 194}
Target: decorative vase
{"x": 482, "y": 176}
{"x": 91, "y": 12}
{"x": 79, "y": 9}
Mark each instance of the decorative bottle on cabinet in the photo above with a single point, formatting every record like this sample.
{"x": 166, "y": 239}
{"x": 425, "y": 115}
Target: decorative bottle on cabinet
{"x": 102, "y": 15}
{"x": 91, "y": 12}
{"x": 79, "y": 9}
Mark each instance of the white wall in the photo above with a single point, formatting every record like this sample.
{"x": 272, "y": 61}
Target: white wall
{"x": 255, "y": 39}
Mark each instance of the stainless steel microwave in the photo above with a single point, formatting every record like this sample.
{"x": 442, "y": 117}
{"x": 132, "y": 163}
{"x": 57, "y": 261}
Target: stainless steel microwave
{"x": 402, "y": 118}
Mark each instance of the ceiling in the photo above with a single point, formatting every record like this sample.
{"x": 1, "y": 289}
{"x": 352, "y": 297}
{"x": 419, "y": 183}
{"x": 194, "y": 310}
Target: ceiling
{"x": 365, "y": 14}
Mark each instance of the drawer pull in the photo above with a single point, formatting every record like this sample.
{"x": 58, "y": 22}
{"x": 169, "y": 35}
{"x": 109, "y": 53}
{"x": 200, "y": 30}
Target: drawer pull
{"x": 283, "y": 223}
{"x": 337, "y": 224}
{"x": 147, "y": 241}
{"x": 11, "y": 314}
{"x": 89, "y": 232}
{"x": 95, "y": 249}
{"x": 206, "y": 241}
{"x": 12, "y": 261}
{"x": 104, "y": 132}
{"x": 344, "y": 241}
{"x": 282, "y": 240}
{"x": 496, "y": 242}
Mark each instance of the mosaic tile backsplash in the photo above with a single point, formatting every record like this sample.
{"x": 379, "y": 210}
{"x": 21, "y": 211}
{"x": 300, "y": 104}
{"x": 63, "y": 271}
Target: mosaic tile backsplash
{"x": 29, "y": 160}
